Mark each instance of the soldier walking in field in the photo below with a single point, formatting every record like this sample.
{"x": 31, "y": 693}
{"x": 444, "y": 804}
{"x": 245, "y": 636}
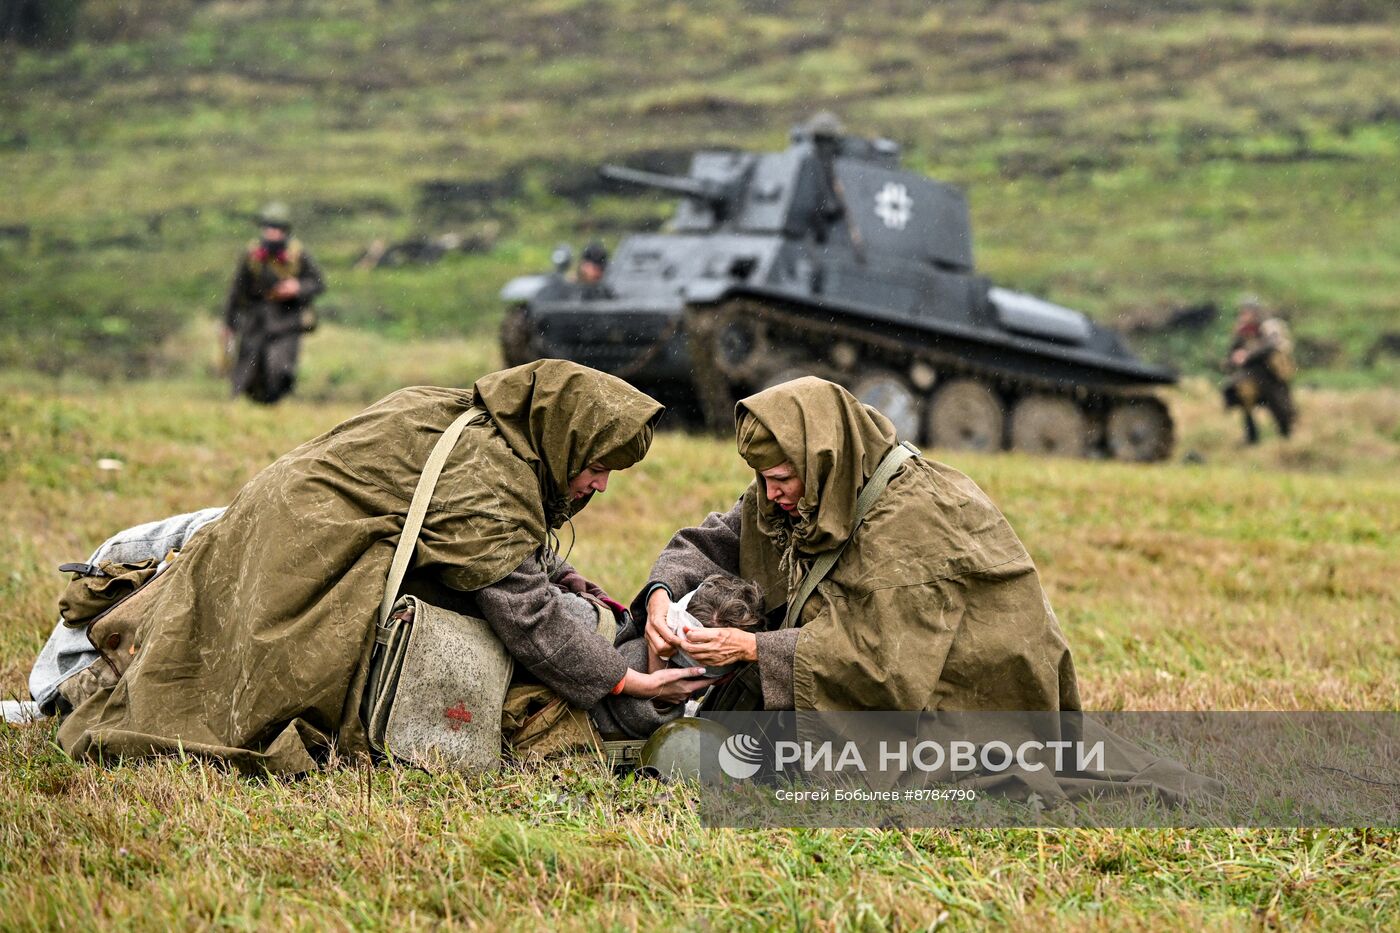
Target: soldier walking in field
{"x": 269, "y": 308}
{"x": 1260, "y": 367}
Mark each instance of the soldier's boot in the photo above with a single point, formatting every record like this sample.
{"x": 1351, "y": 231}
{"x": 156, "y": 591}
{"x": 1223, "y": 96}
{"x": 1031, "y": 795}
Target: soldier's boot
{"x": 1251, "y": 430}
{"x": 1282, "y": 410}
{"x": 280, "y": 367}
{"x": 246, "y": 365}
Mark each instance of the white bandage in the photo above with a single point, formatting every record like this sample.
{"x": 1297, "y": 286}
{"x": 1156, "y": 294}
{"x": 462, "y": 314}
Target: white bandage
{"x": 679, "y": 619}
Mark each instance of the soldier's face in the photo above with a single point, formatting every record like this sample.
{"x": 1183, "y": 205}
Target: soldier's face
{"x": 783, "y": 486}
{"x": 594, "y": 478}
{"x": 273, "y": 234}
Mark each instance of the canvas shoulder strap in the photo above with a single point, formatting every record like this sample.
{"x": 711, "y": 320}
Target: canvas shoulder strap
{"x": 418, "y": 508}
{"x": 823, "y": 564}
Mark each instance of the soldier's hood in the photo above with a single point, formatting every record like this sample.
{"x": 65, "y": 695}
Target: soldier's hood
{"x": 559, "y": 417}
{"x": 834, "y": 442}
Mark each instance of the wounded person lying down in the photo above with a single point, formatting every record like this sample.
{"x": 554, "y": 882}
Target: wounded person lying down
{"x": 720, "y": 601}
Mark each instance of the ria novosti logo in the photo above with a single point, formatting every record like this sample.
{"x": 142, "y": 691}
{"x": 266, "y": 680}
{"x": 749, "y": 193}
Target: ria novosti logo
{"x": 741, "y": 756}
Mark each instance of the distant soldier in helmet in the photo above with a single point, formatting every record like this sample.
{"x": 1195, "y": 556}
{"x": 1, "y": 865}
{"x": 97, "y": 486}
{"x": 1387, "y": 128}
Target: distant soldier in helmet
{"x": 1260, "y": 367}
{"x": 592, "y": 263}
{"x": 269, "y": 308}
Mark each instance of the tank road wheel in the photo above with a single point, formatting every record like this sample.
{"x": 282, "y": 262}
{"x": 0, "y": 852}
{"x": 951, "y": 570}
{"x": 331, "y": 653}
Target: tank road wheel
{"x": 1139, "y": 429}
{"x": 965, "y": 414}
{"x": 740, "y": 346}
{"x": 890, "y": 395}
{"x": 515, "y": 337}
{"x": 1049, "y": 424}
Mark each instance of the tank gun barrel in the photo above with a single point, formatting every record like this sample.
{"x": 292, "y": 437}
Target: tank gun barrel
{"x": 708, "y": 191}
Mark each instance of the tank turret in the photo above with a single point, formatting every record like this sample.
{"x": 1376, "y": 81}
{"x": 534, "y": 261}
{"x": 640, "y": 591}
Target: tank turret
{"x": 828, "y": 258}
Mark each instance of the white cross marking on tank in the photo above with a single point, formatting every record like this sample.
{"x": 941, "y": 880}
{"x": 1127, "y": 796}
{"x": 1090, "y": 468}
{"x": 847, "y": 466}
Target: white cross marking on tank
{"x": 893, "y": 205}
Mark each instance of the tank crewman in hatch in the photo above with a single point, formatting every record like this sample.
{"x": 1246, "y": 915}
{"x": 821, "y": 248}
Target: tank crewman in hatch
{"x": 1260, "y": 367}
{"x": 592, "y": 263}
{"x": 269, "y": 308}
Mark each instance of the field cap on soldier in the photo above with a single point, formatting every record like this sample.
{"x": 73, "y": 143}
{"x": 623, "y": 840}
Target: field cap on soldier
{"x": 275, "y": 214}
{"x": 834, "y": 443}
{"x": 560, "y": 417}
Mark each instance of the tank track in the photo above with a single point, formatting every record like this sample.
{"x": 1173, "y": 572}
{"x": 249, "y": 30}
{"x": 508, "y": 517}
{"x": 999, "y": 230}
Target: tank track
{"x": 1124, "y": 424}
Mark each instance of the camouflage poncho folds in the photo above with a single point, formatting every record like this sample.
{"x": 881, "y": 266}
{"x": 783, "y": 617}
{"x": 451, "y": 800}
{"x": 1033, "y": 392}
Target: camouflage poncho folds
{"x": 934, "y": 603}
{"x": 251, "y": 647}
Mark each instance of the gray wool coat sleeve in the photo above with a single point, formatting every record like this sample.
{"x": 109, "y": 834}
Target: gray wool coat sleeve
{"x": 552, "y": 633}
{"x": 632, "y": 717}
{"x": 776, "y": 653}
{"x": 691, "y": 556}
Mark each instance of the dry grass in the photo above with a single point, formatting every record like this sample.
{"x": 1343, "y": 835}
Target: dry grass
{"x": 1230, "y": 584}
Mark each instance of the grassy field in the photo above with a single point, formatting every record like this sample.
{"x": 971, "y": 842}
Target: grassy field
{"x": 1124, "y": 158}
{"x": 1260, "y": 579}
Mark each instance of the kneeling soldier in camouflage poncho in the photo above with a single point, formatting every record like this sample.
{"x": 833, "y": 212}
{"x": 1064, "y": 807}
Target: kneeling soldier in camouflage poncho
{"x": 926, "y": 601}
{"x": 933, "y": 602}
{"x": 252, "y": 645}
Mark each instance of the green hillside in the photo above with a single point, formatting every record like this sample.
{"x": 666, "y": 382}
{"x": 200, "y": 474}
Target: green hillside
{"x": 1120, "y": 157}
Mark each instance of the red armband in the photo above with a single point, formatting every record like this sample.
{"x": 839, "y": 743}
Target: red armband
{"x": 618, "y": 689}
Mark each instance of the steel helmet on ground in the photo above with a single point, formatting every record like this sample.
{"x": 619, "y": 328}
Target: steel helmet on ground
{"x": 685, "y": 748}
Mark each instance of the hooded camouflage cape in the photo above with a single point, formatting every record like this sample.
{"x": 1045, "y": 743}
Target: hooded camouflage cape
{"x": 934, "y": 604}
{"x": 251, "y": 647}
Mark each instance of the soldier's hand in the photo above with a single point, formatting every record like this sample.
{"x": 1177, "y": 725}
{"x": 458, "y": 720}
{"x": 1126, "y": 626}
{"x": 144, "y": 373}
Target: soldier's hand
{"x": 716, "y": 646}
{"x": 660, "y": 638}
{"x": 673, "y": 685}
{"x": 287, "y": 288}
{"x": 655, "y": 663}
